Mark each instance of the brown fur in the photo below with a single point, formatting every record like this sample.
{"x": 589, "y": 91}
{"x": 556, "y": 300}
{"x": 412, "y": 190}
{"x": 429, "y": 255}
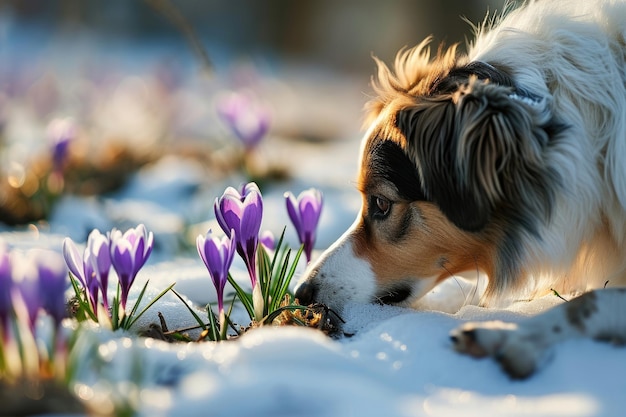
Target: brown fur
{"x": 432, "y": 247}
{"x": 413, "y": 75}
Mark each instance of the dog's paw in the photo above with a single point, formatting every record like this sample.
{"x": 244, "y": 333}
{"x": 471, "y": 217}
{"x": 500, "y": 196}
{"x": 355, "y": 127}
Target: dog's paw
{"x": 517, "y": 352}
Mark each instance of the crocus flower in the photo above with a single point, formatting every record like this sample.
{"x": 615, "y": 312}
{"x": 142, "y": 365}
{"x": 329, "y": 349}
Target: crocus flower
{"x": 52, "y": 283}
{"x": 92, "y": 268}
{"x": 25, "y": 296}
{"x": 245, "y": 117}
{"x": 217, "y": 255}
{"x": 304, "y": 213}
{"x": 98, "y": 249}
{"x": 129, "y": 252}
{"x": 243, "y": 212}
{"x": 60, "y": 133}
{"x": 268, "y": 240}
{"x": 6, "y": 286}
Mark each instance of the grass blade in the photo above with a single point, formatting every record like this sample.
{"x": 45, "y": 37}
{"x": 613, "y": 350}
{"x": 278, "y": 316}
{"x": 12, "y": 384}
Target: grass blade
{"x": 150, "y": 304}
{"x": 213, "y": 332}
{"x": 285, "y": 287}
{"x": 246, "y": 299}
{"x": 115, "y": 311}
{"x": 278, "y": 246}
{"x": 193, "y": 313}
{"x": 270, "y": 317}
{"x": 135, "y": 306}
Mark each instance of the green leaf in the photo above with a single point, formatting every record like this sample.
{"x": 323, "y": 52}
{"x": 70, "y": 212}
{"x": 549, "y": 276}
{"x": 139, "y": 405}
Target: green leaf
{"x": 157, "y": 298}
{"x": 193, "y": 313}
{"x": 84, "y": 306}
{"x": 214, "y": 333}
{"x": 246, "y": 299}
{"x": 291, "y": 273}
{"x": 279, "y": 279}
{"x": 115, "y": 311}
{"x": 230, "y": 310}
{"x": 278, "y": 246}
{"x": 265, "y": 273}
{"x": 143, "y": 290}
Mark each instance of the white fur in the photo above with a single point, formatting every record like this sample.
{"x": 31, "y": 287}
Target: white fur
{"x": 581, "y": 47}
{"x": 521, "y": 348}
{"x": 341, "y": 276}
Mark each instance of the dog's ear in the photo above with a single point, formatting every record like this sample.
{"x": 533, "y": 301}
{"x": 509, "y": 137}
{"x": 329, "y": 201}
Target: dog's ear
{"x": 477, "y": 149}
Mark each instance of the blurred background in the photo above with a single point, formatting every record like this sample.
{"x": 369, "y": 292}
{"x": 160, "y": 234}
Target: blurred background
{"x": 104, "y": 104}
{"x": 337, "y": 34}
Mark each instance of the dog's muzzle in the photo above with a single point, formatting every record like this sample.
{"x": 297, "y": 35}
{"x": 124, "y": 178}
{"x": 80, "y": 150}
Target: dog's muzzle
{"x": 338, "y": 277}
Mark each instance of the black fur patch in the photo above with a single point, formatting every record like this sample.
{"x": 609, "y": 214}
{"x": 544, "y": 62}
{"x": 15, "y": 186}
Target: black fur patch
{"x": 460, "y": 75}
{"x": 387, "y": 160}
{"x": 495, "y": 73}
{"x": 435, "y": 148}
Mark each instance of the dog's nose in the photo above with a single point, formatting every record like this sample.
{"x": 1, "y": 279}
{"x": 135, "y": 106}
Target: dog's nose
{"x": 306, "y": 293}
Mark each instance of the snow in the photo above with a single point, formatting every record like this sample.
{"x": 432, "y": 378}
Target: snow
{"x": 399, "y": 362}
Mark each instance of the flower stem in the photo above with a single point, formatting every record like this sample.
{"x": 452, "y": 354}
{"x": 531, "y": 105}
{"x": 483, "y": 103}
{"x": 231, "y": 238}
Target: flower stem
{"x": 257, "y": 302}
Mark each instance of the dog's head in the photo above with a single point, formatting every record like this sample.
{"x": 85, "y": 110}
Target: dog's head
{"x": 454, "y": 176}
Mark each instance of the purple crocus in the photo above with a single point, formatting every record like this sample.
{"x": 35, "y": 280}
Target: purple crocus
{"x": 6, "y": 287}
{"x": 92, "y": 268}
{"x": 25, "y": 294}
{"x": 243, "y": 212}
{"x": 129, "y": 252}
{"x": 52, "y": 283}
{"x": 98, "y": 248}
{"x": 60, "y": 133}
{"x": 304, "y": 213}
{"x": 268, "y": 240}
{"x": 245, "y": 116}
{"x": 217, "y": 255}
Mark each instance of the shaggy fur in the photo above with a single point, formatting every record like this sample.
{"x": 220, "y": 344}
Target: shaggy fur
{"x": 509, "y": 160}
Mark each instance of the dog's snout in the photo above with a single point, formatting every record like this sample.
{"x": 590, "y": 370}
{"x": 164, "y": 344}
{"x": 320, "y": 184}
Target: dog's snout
{"x": 306, "y": 293}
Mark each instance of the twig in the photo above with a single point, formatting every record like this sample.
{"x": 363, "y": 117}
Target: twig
{"x": 163, "y": 323}
{"x": 170, "y": 12}
{"x": 185, "y": 329}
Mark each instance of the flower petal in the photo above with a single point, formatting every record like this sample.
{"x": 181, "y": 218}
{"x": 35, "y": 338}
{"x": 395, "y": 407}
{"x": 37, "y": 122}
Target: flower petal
{"x": 98, "y": 247}
{"x": 74, "y": 260}
{"x": 292, "y": 210}
{"x": 6, "y": 284}
{"x": 52, "y": 282}
{"x": 122, "y": 260}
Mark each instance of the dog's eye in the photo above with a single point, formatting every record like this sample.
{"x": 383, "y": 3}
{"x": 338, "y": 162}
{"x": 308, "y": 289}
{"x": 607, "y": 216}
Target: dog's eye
{"x": 381, "y": 207}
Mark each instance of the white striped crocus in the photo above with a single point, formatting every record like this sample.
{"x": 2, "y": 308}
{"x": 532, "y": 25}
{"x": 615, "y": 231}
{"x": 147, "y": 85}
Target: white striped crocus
{"x": 92, "y": 267}
{"x": 129, "y": 252}
{"x": 304, "y": 212}
{"x": 217, "y": 254}
{"x": 243, "y": 212}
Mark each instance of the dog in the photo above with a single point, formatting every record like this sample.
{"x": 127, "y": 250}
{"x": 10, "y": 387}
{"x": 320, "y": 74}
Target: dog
{"x": 510, "y": 160}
